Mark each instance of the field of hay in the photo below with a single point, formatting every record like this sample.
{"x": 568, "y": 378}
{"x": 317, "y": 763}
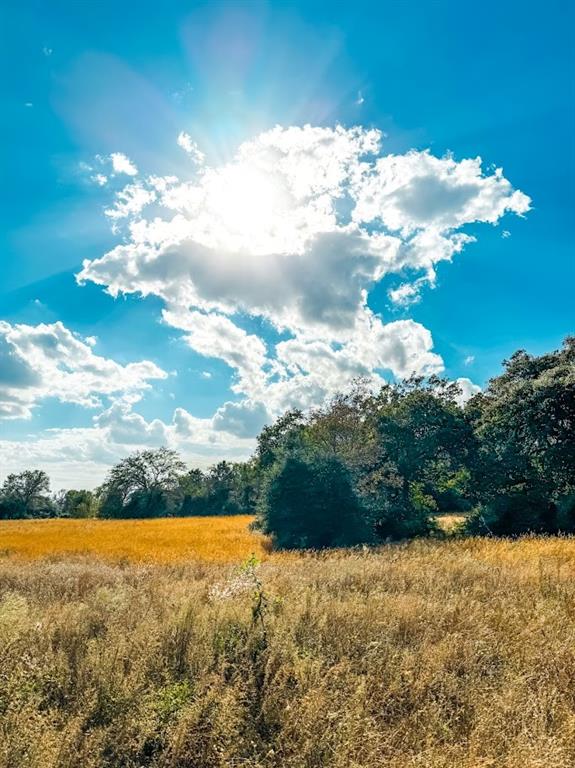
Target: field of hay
{"x": 436, "y": 654}
{"x": 164, "y": 540}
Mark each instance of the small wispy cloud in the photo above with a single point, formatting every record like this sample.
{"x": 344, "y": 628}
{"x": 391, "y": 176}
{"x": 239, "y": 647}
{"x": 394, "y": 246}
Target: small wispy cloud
{"x": 121, "y": 163}
{"x": 47, "y": 51}
{"x": 405, "y": 294}
{"x": 360, "y": 99}
{"x": 186, "y": 142}
{"x": 469, "y": 360}
{"x": 113, "y": 165}
{"x": 505, "y": 234}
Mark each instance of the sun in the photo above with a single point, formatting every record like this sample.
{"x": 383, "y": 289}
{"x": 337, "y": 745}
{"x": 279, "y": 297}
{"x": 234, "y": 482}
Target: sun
{"x": 248, "y": 202}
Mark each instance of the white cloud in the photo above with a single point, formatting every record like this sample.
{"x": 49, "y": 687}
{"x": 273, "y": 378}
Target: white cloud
{"x": 100, "y": 179}
{"x": 244, "y": 419}
{"x": 295, "y": 230}
{"x": 81, "y": 457}
{"x": 468, "y": 389}
{"x": 186, "y": 142}
{"x": 214, "y": 335}
{"x": 40, "y": 361}
{"x": 407, "y": 193}
{"x": 298, "y": 226}
{"x": 130, "y": 201}
{"x": 406, "y": 294}
{"x": 129, "y": 428}
{"x": 122, "y": 164}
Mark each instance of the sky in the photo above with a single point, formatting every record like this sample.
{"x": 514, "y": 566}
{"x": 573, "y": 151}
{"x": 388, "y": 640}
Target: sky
{"x": 214, "y": 212}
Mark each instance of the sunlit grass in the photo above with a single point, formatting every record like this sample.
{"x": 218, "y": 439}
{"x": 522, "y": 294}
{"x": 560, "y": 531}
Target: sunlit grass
{"x": 450, "y": 522}
{"x": 452, "y": 653}
{"x": 165, "y": 540}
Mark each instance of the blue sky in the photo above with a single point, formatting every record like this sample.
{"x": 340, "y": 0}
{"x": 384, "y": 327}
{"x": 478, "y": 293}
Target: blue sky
{"x": 259, "y": 297}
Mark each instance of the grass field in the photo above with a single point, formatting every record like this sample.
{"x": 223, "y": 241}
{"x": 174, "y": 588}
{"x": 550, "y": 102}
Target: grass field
{"x": 167, "y": 540}
{"x": 445, "y": 654}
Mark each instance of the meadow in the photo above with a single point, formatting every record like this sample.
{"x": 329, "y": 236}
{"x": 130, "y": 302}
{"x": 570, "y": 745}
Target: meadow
{"x": 160, "y": 540}
{"x": 433, "y": 654}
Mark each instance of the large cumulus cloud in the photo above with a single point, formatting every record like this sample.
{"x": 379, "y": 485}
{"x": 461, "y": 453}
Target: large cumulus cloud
{"x": 296, "y": 229}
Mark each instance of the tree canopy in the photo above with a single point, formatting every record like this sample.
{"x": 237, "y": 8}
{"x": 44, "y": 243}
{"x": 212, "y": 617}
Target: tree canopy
{"x": 145, "y": 484}
{"x": 26, "y": 494}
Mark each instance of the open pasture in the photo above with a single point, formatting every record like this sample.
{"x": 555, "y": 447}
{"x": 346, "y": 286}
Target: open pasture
{"x": 163, "y": 540}
{"x": 434, "y": 654}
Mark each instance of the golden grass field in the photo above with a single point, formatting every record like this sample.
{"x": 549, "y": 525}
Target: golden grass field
{"x": 434, "y": 654}
{"x": 165, "y": 540}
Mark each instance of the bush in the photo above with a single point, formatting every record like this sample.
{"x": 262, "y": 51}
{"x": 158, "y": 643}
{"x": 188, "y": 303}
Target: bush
{"x": 521, "y": 510}
{"x": 403, "y": 512}
{"x": 310, "y": 503}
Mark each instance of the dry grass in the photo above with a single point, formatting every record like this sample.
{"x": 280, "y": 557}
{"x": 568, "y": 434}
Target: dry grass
{"x": 165, "y": 540}
{"x": 450, "y": 522}
{"x": 454, "y": 654}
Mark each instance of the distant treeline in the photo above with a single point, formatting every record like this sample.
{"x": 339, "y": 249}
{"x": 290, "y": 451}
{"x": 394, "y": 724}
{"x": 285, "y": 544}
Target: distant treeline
{"x": 368, "y": 467}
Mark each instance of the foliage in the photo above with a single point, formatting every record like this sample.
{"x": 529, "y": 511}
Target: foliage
{"x": 309, "y": 502}
{"x": 145, "y": 484}
{"x": 83, "y": 504}
{"x": 524, "y": 476}
{"x": 26, "y": 495}
{"x": 368, "y": 465}
{"x": 424, "y": 443}
{"x": 226, "y": 489}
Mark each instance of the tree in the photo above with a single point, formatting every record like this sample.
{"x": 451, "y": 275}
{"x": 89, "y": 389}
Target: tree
{"x": 26, "y": 495}
{"x": 145, "y": 484}
{"x": 423, "y": 446}
{"x": 346, "y": 428}
{"x": 194, "y": 491}
{"x": 226, "y": 489}
{"x": 308, "y": 502}
{"x": 524, "y": 475}
{"x": 82, "y": 504}
{"x": 284, "y": 435}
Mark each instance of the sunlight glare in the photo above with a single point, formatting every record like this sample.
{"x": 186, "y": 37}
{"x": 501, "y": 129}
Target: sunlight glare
{"x": 248, "y": 202}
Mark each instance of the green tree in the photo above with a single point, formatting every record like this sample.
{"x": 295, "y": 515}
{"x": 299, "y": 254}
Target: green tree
{"x": 82, "y": 504}
{"x": 309, "y": 502}
{"x": 26, "y": 494}
{"x": 424, "y": 444}
{"x": 145, "y": 484}
{"x": 284, "y": 435}
{"x": 194, "y": 492}
{"x": 346, "y": 428}
{"x": 524, "y": 475}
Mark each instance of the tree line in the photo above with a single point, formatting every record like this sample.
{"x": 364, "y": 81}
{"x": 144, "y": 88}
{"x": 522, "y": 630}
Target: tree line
{"x": 368, "y": 467}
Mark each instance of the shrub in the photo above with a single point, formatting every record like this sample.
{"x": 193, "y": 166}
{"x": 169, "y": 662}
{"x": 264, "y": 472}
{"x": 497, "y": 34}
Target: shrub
{"x": 310, "y": 503}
